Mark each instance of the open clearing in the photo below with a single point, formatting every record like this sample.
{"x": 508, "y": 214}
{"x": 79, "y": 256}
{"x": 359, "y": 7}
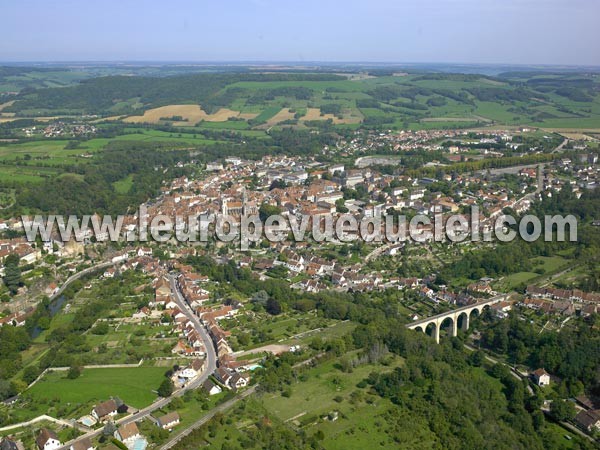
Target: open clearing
{"x": 7, "y": 118}
{"x": 135, "y": 386}
{"x": 192, "y": 114}
{"x": 315, "y": 114}
{"x": 453, "y": 119}
{"x": 281, "y": 116}
{"x": 578, "y": 136}
{"x": 5, "y": 105}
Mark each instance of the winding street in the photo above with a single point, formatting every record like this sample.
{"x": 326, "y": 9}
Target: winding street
{"x": 211, "y": 365}
{"x": 78, "y": 275}
{"x": 211, "y": 354}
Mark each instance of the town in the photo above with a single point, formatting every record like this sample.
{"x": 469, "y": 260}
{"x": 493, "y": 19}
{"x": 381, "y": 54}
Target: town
{"x": 203, "y": 338}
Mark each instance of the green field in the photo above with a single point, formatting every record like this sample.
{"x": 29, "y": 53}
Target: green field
{"x": 135, "y": 386}
{"x": 123, "y": 186}
{"x": 544, "y": 266}
{"x": 266, "y": 114}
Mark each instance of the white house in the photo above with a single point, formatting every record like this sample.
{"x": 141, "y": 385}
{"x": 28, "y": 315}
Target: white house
{"x": 541, "y": 377}
{"x": 168, "y": 421}
{"x": 238, "y": 381}
{"x": 188, "y": 373}
{"x": 82, "y": 444}
{"x": 211, "y": 388}
{"x": 336, "y": 168}
{"x": 127, "y": 433}
{"x": 105, "y": 410}
{"x": 47, "y": 440}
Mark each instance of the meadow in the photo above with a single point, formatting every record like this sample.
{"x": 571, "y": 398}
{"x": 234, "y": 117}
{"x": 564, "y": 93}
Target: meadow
{"x": 544, "y": 267}
{"x": 135, "y": 386}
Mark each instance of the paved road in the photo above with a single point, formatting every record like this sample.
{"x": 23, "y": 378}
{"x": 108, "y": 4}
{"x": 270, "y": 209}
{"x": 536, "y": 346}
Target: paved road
{"x": 44, "y": 418}
{"x": 211, "y": 360}
{"x": 79, "y": 275}
{"x": 211, "y": 353}
{"x": 560, "y": 147}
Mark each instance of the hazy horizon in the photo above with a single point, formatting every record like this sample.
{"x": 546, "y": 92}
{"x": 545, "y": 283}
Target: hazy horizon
{"x": 470, "y": 32}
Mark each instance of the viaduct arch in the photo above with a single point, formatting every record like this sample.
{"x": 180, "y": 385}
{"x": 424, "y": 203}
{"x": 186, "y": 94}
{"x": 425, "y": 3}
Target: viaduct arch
{"x": 463, "y": 314}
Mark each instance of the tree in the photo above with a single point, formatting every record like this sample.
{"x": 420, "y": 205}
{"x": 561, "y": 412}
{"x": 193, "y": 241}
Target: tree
{"x": 30, "y": 374}
{"x": 260, "y": 298}
{"x": 562, "y": 410}
{"x": 12, "y": 273}
{"x": 537, "y": 418}
{"x": 278, "y": 184}
{"x": 166, "y": 388}
{"x": 101, "y": 329}
{"x": 7, "y": 389}
{"x": 74, "y": 372}
{"x": 266, "y": 210}
{"x": 109, "y": 429}
{"x": 273, "y": 307}
{"x": 477, "y": 358}
{"x": 340, "y": 206}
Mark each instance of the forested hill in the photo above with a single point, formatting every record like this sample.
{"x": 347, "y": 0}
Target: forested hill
{"x": 99, "y": 94}
{"x": 89, "y": 188}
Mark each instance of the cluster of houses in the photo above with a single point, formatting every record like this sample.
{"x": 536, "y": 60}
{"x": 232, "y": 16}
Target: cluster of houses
{"x": 62, "y": 129}
{"x": 228, "y": 371}
{"x": 576, "y": 295}
{"x": 17, "y": 319}
{"x": 190, "y": 344}
{"x": 46, "y": 440}
{"x": 373, "y": 142}
{"x": 588, "y": 409}
{"x": 127, "y": 433}
{"x": 27, "y": 253}
{"x": 313, "y": 189}
{"x": 588, "y": 417}
{"x": 562, "y": 301}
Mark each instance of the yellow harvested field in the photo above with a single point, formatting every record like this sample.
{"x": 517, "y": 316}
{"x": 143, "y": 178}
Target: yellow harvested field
{"x": 248, "y": 116}
{"x": 449, "y": 119}
{"x": 572, "y": 130}
{"x": 315, "y": 114}
{"x": 40, "y": 119}
{"x": 281, "y": 116}
{"x": 193, "y": 114}
{"x": 106, "y": 119}
{"x": 6, "y": 105}
{"x": 578, "y": 136}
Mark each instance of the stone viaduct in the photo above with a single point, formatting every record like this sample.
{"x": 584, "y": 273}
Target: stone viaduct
{"x": 463, "y": 314}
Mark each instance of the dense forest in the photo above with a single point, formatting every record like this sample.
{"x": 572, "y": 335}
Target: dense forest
{"x": 99, "y": 94}
{"x": 88, "y": 188}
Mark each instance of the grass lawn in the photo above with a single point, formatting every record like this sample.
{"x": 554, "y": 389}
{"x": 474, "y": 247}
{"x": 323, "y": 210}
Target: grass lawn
{"x": 135, "y": 386}
{"x": 266, "y": 114}
{"x": 550, "y": 263}
{"x": 123, "y": 186}
{"x": 317, "y": 395}
{"x": 555, "y": 434}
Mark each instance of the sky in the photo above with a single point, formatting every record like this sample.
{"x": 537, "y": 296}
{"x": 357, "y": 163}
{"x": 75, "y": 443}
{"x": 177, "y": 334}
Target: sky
{"x": 554, "y": 32}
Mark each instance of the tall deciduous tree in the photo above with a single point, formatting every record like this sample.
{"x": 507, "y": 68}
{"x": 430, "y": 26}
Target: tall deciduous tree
{"x": 12, "y": 273}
